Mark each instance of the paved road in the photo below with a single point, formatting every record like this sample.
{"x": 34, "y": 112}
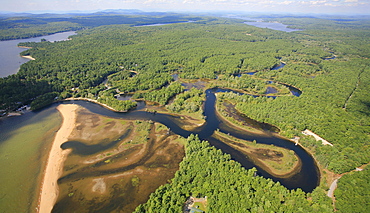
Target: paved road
{"x": 333, "y": 186}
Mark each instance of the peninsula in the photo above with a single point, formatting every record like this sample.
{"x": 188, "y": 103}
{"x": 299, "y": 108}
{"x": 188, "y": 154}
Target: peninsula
{"x": 49, "y": 186}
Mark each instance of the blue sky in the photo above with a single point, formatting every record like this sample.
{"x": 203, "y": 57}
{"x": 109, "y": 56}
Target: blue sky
{"x": 289, "y": 6}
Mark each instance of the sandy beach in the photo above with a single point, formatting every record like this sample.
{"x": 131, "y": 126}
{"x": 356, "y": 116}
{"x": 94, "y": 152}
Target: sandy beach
{"x": 28, "y": 57}
{"x": 54, "y": 167}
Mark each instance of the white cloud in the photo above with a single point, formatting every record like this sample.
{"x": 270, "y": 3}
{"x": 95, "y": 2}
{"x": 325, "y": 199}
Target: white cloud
{"x": 313, "y": 2}
{"x": 158, "y": 2}
{"x": 188, "y": 2}
{"x": 286, "y": 2}
{"x": 318, "y": 2}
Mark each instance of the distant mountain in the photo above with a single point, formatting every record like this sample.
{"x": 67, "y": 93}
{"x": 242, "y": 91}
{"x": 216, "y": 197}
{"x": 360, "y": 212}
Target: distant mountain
{"x": 7, "y": 14}
{"x": 66, "y": 14}
{"x": 120, "y": 11}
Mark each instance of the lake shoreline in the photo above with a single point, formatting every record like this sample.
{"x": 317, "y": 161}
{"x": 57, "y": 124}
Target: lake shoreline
{"x": 54, "y": 166}
{"x": 10, "y": 58}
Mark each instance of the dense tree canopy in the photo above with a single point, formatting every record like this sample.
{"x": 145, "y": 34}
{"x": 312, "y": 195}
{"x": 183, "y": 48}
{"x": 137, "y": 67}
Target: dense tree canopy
{"x": 28, "y": 26}
{"x": 353, "y": 192}
{"x": 206, "y": 171}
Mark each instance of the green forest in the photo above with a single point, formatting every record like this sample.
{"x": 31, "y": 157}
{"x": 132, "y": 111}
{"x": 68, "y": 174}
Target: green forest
{"x": 110, "y": 56}
{"x": 353, "y": 192}
{"x": 207, "y": 172}
{"x": 45, "y": 24}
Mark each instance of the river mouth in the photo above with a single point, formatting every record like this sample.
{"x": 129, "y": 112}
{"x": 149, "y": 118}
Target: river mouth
{"x": 133, "y": 159}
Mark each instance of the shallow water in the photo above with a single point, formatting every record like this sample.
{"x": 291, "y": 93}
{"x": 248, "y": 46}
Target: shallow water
{"x": 100, "y": 177}
{"x": 24, "y": 145}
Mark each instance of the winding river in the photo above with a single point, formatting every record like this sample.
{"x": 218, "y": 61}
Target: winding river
{"x": 307, "y": 178}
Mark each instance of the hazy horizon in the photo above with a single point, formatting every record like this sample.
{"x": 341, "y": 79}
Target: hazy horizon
{"x": 338, "y": 7}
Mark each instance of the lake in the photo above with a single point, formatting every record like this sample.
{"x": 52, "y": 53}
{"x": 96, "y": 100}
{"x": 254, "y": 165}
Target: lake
{"x": 161, "y": 24}
{"x": 272, "y": 25}
{"x": 10, "y": 60}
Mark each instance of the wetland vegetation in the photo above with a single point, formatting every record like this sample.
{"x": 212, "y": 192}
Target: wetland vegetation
{"x": 279, "y": 162}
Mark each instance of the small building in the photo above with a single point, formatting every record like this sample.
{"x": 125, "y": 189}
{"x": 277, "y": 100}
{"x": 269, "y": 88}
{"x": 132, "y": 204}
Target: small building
{"x": 193, "y": 205}
{"x": 195, "y": 209}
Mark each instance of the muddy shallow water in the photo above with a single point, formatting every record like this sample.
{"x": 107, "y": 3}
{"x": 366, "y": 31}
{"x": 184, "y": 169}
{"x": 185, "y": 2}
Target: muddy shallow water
{"x": 108, "y": 170}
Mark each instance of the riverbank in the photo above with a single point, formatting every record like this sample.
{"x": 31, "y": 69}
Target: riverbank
{"x": 93, "y": 101}
{"x": 277, "y": 161}
{"x": 54, "y": 166}
{"x": 224, "y": 112}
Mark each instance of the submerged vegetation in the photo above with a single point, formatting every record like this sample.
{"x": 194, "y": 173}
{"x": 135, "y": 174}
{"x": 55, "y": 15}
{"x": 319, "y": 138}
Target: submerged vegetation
{"x": 120, "y": 164}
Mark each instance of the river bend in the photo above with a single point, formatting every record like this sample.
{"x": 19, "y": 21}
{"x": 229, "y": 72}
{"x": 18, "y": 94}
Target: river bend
{"x": 307, "y": 178}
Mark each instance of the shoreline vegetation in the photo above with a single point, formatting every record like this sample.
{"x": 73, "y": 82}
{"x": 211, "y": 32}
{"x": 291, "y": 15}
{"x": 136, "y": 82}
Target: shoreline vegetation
{"x": 327, "y": 176}
{"x": 229, "y": 119}
{"x": 189, "y": 121}
{"x": 93, "y": 101}
{"x": 54, "y": 167}
{"x": 277, "y": 161}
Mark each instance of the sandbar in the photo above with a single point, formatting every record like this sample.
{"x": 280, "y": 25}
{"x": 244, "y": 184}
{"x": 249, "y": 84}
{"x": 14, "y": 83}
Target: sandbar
{"x": 54, "y": 166}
